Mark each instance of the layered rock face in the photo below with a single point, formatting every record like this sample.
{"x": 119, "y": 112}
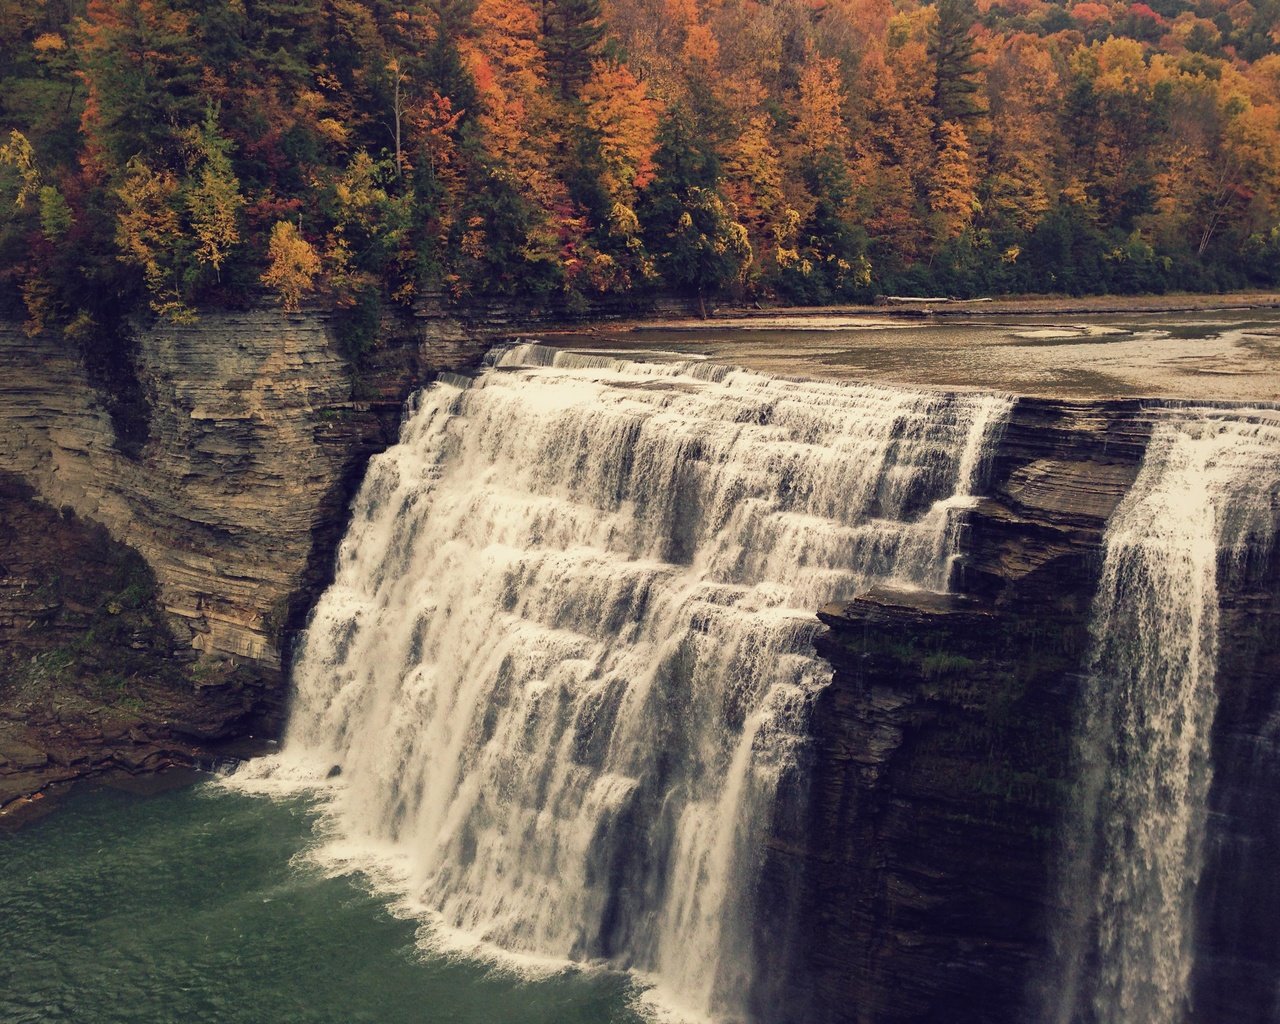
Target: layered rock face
{"x": 236, "y": 500}
{"x": 942, "y": 747}
{"x": 256, "y": 435}
{"x": 925, "y": 860}
{"x": 88, "y": 679}
{"x": 1237, "y": 970}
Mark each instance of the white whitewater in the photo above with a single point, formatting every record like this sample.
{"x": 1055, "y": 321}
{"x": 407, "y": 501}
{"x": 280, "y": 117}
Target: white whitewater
{"x": 1203, "y": 500}
{"x": 567, "y": 656}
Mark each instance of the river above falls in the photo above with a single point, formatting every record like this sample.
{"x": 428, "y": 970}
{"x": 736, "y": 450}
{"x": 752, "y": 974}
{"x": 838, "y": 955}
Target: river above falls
{"x": 200, "y": 905}
{"x": 1205, "y": 355}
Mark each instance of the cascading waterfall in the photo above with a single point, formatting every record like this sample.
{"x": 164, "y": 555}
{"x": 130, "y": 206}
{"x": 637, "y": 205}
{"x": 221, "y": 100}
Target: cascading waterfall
{"x": 567, "y": 656}
{"x": 1202, "y": 503}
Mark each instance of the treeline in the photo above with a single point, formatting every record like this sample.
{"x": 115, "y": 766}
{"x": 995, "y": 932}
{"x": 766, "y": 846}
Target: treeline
{"x": 174, "y": 154}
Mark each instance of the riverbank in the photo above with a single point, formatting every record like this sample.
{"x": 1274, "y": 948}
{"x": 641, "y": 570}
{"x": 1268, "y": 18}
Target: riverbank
{"x": 1171, "y": 302}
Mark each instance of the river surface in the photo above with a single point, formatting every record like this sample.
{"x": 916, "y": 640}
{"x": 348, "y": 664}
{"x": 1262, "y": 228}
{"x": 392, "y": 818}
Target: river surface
{"x": 200, "y": 905}
{"x": 1206, "y": 355}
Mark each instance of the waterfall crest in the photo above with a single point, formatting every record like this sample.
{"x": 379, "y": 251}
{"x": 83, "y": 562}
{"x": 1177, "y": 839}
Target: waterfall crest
{"x": 1202, "y": 503}
{"x": 566, "y": 659}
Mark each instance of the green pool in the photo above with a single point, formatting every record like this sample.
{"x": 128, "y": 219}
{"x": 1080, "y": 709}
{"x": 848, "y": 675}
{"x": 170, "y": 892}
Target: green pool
{"x": 194, "y": 906}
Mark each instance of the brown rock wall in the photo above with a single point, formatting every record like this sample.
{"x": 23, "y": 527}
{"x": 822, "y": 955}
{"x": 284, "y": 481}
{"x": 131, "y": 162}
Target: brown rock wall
{"x": 255, "y": 442}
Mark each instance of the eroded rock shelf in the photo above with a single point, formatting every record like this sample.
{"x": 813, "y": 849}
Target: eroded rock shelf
{"x": 258, "y": 431}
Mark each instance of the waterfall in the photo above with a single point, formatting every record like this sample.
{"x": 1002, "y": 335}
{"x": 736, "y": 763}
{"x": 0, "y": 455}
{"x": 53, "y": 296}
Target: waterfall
{"x": 566, "y": 659}
{"x": 1203, "y": 502}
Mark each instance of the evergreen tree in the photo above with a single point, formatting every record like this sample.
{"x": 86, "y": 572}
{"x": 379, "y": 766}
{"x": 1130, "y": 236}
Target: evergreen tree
{"x": 953, "y": 52}
{"x": 139, "y": 63}
{"x": 572, "y": 31}
{"x": 701, "y": 249}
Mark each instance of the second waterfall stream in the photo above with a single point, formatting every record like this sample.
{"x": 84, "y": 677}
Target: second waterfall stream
{"x": 1201, "y": 507}
{"x": 566, "y": 660}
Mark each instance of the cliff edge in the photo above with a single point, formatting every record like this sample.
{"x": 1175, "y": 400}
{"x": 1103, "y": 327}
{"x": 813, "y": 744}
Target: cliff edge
{"x": 257, "y": 429}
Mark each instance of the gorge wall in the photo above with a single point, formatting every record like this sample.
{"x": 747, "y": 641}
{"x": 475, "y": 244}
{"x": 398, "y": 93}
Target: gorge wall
{"x": 255, "y": 436}
{"x": 257, "y": 431}
{"x": 930, "y": 852}
{"x": 915, "y": 878}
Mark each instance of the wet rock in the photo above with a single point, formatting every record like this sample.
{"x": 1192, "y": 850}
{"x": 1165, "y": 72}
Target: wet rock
{"x": 18, "y": 752}
{"x": 920, "y": 859}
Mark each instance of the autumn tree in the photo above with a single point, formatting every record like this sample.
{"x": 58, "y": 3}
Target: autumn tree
{"x": 819, "y": 124}
{"x": 558, "y": 150}
{"x": 515, "y": 116}
{"x": 1024, "y": 95}
{"x": 150, "y": 237}
{"x": 22, "y": 201}
{"x": 953, "y": 185}
{"x": 892, "y": 144}
{"x": 293, "y": 265}
{"x": 213, "y": 199}
{"x": 369, "y": 240}
{"x": 624, "y": 119}
{"x": 1113, "y": 128}
{"x": 753, "y": 172}
{"x": 819, "y": 251}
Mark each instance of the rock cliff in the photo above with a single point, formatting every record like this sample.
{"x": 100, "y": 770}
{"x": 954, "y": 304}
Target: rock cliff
{"x": 254, "y": 441}
{"x": 923, "y": 859}
{"x": 257, "y": 430}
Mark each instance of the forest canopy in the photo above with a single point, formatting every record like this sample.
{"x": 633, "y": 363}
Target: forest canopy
{"x": 168, "y": 155}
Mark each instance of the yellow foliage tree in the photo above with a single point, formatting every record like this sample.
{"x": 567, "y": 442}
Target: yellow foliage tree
{"x": 1024, "y": 92}
{"x": 294, "y": 265}
{"x": 18, "y": 156}
{"x": 149, "y": 235}
{"x": 819, "y": 124}
{"x": 753, "y": 173}
{"x": 215, "y": 202}
{"x": 953, "y": 185}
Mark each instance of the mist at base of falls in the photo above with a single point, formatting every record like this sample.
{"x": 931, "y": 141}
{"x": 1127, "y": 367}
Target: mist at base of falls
{"x": 566, "y": 661}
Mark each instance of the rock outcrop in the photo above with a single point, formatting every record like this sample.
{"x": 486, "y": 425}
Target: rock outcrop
{"x": 924, "y": 858}
{"x": 88, "y": 679}
{"x": 1237, "y": 971}
{"x": 257, "y": 431}
{"x": 256, "y": 436}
